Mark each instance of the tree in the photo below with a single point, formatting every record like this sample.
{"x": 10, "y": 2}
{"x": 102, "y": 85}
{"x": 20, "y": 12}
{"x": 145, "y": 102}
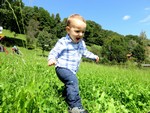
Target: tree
{"x": 57, "y": 18}
{"x": 132, "y": 41}
{"x": 11, "y": 17}
{"x": 139, "y": 53}
{"x": 143, "y": 39}
{"x": 44, "y": 40}
{"x": 60, "y": 29}
{"x": 30, "y": 13}
{"x": 44, "y": 18}
{"x": 93, "y": 33}
{"x": 32, "y": 32}
{"x": 52, "y": 21}
{"x": 115, "y": 49}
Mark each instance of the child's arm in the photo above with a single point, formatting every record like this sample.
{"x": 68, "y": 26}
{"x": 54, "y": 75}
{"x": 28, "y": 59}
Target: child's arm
{"x": 54, "y": 53}
{"x": 88, "y": 54}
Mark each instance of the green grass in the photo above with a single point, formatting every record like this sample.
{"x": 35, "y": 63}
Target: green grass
{"x": 12, "y": 34}
{"x": 28, "y": 85}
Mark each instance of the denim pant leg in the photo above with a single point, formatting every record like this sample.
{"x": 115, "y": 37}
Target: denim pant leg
{"x": 71, "y": 85}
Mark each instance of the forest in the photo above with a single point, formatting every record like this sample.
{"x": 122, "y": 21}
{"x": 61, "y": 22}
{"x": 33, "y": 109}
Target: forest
{"x": 42, "y": 29}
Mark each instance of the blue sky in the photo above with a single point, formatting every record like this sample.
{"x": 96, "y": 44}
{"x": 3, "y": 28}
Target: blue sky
{"x": 122, "y": 16}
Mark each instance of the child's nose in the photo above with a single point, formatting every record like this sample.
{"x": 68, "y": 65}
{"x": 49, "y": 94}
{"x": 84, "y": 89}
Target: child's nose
{"x": 80, "y": 34}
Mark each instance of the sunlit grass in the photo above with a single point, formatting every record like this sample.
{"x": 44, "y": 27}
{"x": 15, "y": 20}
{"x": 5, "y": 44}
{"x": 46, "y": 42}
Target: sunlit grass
{"x": 27, "y": 84}
{"x": 10, "y": 34}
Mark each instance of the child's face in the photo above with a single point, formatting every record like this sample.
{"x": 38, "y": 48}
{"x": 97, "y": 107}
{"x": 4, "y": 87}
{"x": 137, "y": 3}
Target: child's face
{"x": 76, "y": 30}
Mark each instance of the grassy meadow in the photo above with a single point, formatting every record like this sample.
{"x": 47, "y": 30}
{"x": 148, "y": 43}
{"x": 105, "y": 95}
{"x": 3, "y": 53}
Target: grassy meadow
{"x": 10, "y": 34}
{"x": 28, "y": 85}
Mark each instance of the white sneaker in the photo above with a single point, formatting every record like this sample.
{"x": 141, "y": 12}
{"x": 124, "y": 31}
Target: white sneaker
{"x": 77, "y": 110}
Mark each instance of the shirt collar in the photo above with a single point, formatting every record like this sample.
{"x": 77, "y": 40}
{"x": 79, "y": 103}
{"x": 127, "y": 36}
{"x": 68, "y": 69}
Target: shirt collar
{"x": 70, "y": 40}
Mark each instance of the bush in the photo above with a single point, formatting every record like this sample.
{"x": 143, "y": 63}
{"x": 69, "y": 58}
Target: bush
{"x": 8, "y": 41}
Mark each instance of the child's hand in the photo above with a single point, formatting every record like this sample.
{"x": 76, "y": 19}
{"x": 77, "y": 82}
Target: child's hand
{"x": 51, "y": 62}
{"x": 97, "y": 59}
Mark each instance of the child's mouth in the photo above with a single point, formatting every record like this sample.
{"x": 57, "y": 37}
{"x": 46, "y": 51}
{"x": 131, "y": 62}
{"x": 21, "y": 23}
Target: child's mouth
{"x": 77, "y": 39}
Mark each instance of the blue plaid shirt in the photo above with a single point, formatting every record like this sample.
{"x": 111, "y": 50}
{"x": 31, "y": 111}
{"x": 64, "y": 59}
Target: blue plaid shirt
{"x": 69, "y": 54}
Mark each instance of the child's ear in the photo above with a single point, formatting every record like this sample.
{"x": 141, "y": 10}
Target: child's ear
{"x": 67, "y": 29}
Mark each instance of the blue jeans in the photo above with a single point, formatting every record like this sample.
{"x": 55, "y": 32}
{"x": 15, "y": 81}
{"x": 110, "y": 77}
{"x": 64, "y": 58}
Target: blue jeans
{"x": 71, "y": 86}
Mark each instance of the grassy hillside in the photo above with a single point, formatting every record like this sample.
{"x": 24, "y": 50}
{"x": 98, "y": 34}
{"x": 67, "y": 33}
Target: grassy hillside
{"x": 28, "y": 85}
{"x": 13, "y": 34}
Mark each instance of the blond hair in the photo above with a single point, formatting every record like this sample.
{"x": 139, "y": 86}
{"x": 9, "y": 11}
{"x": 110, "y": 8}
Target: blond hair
{"x": 75, "y": 16}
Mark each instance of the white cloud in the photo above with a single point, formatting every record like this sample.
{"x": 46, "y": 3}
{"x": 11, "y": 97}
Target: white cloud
{"x": 146, "y": 20}
{"x": 126, "y": 17}
{"x": 147, "y": 8}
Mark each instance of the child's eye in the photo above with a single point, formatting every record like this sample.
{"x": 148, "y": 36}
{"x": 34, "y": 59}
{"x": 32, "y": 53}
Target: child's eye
{"x": 77, "y": 31}
{"x": 80, "y": 31}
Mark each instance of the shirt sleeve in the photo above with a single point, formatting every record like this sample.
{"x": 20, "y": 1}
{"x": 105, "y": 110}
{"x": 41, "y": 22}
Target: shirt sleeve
{"x": 88, "y": 54}
{"x": 56, "y": 51}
